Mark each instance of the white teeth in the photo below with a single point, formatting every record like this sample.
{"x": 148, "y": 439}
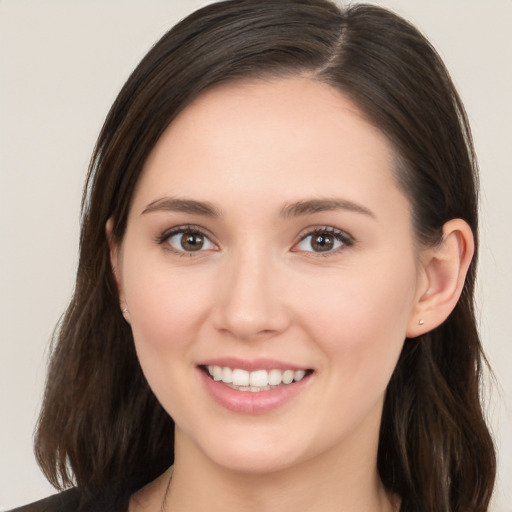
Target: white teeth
{"x": 240, "y": 377}
{"x": 258, "y": 380}
{"x": 287, "y": 376}
{"x": 299, "y": 375}
{"x": 275, "y": 377}
{"x": 217, "y": 373}
{"x": 227, "y": 375}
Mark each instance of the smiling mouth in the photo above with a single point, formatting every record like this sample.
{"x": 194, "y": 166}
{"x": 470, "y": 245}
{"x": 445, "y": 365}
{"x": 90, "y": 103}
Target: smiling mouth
{"x": 254, "y": 381}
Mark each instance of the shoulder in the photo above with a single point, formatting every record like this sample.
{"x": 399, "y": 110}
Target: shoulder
{"x": 68, "y": 500}
{"x": 114, "y": 498}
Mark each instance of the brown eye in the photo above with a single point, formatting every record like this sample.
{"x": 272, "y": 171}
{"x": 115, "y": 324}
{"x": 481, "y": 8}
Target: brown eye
{"x": 322, "y": 242}
{"x": 325, "y": 240}
{"x": 192, "y": 241}
{"x": 187, "y": 240}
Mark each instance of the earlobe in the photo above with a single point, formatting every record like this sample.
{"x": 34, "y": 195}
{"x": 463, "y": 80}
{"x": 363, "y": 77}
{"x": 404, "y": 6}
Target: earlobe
{"x": 109, "y": 228}
{"x": 114, "y": 262}
{"x": 444, "y": 269}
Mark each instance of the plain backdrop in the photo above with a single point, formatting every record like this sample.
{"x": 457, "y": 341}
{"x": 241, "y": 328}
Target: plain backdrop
{"x": 61, "y": 66}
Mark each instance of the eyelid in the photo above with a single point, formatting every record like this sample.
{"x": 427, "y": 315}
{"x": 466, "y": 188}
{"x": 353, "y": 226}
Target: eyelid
{"x": 340, "y": 235}
{"x": 184, "y": 228}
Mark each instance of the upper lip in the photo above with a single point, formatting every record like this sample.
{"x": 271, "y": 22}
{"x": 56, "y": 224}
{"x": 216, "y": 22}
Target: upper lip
{"x": 251, "y": 365}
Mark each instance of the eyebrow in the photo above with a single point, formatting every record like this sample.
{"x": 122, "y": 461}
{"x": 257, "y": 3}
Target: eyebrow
{"x": 297, "y": 209}
{"x": 311, "y": 206}
{"x": 171, "y": 204}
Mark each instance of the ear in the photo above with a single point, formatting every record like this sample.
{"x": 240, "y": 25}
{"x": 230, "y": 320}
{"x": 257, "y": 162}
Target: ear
{"x": 443, "y": 272}
{"x": 115, "y": 264}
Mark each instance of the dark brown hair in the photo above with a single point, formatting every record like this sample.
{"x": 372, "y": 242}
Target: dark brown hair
{"x": 100, "y": 421}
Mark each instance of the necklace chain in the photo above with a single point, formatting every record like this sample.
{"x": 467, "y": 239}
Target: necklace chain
{"x": 163, "y": 507}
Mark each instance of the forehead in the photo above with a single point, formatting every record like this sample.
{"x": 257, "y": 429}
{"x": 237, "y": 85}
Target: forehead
{"x": 260, "y": 139}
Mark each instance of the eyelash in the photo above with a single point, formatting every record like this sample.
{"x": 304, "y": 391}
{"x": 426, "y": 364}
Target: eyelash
{"x": 190, "y": 229}
{"x": 340, "y": 236}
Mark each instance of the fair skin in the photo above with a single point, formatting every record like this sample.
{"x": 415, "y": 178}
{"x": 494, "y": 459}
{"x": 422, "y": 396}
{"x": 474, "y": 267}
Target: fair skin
{"x": 267, "y": 232}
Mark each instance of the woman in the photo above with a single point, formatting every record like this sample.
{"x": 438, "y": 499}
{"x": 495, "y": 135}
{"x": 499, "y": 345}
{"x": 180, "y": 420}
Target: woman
{"x": 277, "y": 270}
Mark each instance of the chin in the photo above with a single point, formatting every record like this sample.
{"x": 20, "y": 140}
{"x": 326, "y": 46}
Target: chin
{"x": 250, "y": 452}
{"x": 259, "y": 462}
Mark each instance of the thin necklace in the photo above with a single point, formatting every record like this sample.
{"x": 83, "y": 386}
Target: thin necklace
{"x": 397, "y": 506}
{"x": 163, "y": 507}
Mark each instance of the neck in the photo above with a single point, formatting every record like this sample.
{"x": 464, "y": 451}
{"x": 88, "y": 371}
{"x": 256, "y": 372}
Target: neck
{"x": 323, "y": 484}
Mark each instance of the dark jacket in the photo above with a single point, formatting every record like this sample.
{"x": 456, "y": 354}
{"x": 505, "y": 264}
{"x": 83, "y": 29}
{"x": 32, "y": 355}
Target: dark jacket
{"x": 114, "y": 498}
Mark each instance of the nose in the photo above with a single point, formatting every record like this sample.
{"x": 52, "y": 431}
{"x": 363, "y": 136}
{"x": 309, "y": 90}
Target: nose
{"x": 250, "y": 303}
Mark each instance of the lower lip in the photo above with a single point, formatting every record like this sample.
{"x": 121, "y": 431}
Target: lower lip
{"x": 248, "y": 402}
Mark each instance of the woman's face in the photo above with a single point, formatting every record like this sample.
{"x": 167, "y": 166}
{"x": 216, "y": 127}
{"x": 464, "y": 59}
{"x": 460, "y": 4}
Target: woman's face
{"x": 268, "y": 242}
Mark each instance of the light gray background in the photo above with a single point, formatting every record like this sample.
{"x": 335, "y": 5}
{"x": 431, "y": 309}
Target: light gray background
{"x": 61, "y": 66}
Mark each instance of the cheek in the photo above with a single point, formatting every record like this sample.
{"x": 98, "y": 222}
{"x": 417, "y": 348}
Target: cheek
{"x": 359, "y": 317}
{"x": 167, "y": 310}
{"x": 166, "y": 307}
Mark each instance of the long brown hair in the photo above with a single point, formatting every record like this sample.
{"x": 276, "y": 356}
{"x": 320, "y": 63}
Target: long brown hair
{"x": 100, "y": 421}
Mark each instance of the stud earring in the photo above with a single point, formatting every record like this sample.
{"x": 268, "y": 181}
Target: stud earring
{"x": 124, "y": 310}
{"x": 420, "y": 321}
